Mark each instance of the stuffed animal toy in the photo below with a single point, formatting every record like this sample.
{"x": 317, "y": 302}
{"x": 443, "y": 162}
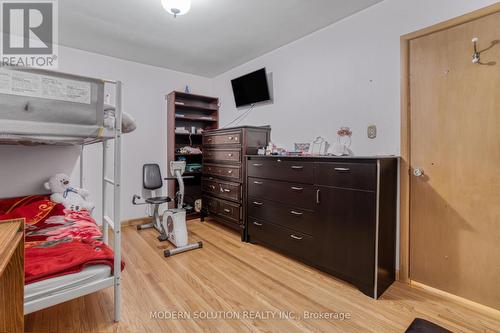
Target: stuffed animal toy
{"x": 72, "y": 198}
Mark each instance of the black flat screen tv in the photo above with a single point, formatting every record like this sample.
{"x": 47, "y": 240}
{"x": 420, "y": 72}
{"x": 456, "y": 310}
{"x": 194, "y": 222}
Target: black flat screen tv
{"x": 251, "y": 88}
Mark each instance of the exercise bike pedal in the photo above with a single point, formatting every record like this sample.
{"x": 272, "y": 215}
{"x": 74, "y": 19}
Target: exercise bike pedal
{"x": 163, "y": 238}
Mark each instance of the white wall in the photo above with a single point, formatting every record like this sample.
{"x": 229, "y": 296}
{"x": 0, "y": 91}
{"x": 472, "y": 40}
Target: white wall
{"x": 24, "y": 169}
{"x": 347, "y": 74}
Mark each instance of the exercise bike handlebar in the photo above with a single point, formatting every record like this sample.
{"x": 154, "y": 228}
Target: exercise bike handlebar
{"x": 180, "y": 180}
{"x": 137, "y": 197}
{"x": 175, "y": 178}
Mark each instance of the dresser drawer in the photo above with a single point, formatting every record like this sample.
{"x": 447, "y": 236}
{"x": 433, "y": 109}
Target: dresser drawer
{"x": 222, "y": 138}
{"x": 286, "y": 216}
{"x": 222, "y": 189}
{"x": 222, "y": 155}
{"x": 296, "y": 195}
{"x": 297, "y": 172}
{"x": 228, "y": 210}
{"x": 211, "y": 204}
{"x": 231, "y": 172}
{"x": 288, "y": 241}
{"x": 347, "y": 175}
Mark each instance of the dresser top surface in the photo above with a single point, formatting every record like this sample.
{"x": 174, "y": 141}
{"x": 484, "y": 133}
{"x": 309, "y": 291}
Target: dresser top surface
{"x": 325, "y": 158}
{"x": 9, "y": 239}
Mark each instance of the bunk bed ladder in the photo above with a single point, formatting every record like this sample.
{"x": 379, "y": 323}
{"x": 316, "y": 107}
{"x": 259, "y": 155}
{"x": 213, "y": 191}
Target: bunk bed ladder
{"x": 115, "y": 221}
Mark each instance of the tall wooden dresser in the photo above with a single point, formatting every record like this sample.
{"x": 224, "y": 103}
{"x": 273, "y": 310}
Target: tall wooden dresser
{"x": 224, "y": 172}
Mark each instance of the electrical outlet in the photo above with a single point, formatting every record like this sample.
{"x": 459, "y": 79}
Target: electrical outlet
{"x": 372, "y": 131}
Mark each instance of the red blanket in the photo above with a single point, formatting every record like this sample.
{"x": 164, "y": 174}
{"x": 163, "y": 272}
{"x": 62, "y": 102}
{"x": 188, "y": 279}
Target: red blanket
{"x": 58, "y": 242}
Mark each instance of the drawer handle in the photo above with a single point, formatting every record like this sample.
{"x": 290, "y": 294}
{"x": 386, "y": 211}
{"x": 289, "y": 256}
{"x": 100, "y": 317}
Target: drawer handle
{"x": 297, "y": 167}
{"x": 342, "y": 169}
{"x": 212, "y": 187}
{"x": 258, "y": 183}
{"x": 229, "y": 171}
{"x": 297, "y": 188}
{"x": 296, "y": 213}
{"x": 227, "y": 210}
{"x": 257, "y": 203}
{"x": 258, "y": 224}
{"x": 229, "y": 155}
{"x": 318, "y": 196}
{"x": 257, "y": 165}
{"x": 226, "y": 190}
{"x": 296, "y": 237}
{"x": 209, "y": 140}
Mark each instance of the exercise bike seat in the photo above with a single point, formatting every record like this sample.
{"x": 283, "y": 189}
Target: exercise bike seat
{"x": 158, "y": 200}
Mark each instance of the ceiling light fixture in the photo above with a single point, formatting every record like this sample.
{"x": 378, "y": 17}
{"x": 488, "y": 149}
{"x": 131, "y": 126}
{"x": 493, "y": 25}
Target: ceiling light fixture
{"x": 176, "y": 7}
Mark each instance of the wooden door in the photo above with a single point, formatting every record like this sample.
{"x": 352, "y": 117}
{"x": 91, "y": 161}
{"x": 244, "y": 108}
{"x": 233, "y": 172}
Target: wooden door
{"x": 455, "y": 140}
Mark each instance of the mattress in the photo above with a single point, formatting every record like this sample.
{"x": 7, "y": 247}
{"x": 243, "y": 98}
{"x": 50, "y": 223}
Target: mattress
{"x": 65, "y": 283}
{"x": 42, "y": 107}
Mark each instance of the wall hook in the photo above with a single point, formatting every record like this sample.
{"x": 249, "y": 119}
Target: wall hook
{"x": 476, "y": 56}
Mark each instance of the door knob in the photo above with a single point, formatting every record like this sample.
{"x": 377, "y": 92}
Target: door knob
{"x": 418, "y": 172}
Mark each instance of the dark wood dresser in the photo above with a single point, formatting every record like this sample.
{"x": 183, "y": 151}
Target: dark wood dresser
{"x": 224, "y": 171}
{"x": 336, "y": 214}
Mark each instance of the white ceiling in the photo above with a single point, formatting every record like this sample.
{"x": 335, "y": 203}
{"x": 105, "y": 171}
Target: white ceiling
{"x": 215, "y": 36}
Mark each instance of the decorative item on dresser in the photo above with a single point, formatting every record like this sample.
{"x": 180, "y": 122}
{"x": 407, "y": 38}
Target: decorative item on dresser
{"x": 336, "y": 214}
{"x": 189, "y": 115}
{"x": 12, "y": 276}
{"x": 224, "y": 171}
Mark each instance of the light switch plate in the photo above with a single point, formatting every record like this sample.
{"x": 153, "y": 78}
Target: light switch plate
{"x": 372, "y": 131}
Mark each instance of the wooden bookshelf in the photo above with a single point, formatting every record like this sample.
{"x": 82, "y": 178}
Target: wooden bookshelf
{"x": 189, "y": 110}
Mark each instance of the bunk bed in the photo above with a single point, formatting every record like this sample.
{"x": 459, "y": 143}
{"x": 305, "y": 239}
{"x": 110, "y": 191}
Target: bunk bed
{"x": 40, "y": 107}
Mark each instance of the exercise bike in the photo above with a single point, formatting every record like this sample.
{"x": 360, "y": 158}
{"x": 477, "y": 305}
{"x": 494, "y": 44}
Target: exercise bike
{"x": 173, "y": 225}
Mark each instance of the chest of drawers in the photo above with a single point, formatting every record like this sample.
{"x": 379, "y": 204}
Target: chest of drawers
{"x": 224, "y": 172}
{"x": 336, "y": 214}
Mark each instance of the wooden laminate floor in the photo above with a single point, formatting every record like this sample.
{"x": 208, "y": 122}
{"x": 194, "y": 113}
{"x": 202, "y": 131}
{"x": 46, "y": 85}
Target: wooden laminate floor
{"x": 227, "y": 279}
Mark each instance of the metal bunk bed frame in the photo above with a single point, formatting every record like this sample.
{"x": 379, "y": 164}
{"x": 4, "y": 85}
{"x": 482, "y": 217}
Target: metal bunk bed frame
{"x": 113, "y": 222}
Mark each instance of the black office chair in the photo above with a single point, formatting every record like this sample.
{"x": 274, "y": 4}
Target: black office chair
{"x": 152, "y": 180}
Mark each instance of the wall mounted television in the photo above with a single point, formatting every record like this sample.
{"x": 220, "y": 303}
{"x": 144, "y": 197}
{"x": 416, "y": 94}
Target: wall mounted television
{"x": 251, "y": 88}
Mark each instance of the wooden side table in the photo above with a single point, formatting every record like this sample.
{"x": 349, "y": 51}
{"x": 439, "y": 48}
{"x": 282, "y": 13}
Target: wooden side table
{"x": 12, "y": 276}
